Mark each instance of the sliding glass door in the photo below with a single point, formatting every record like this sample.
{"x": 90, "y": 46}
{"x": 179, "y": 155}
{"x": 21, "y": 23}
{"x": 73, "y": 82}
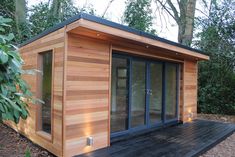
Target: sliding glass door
{"x": 144, "y": 93}
{"x": 119, "y": 99}
{"x": 138, "y": 91}
{"x": 171, "y": 91}
{"x": 155, "y": 93}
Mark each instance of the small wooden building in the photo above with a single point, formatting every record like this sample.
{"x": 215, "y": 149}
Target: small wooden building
{"x": 101, "y": 80}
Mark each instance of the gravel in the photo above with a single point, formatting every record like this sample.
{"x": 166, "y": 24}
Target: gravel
{"x": 225, "y": 148}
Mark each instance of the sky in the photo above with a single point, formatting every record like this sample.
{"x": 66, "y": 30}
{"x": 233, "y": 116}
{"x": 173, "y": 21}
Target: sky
{"x": 165, "y": 28}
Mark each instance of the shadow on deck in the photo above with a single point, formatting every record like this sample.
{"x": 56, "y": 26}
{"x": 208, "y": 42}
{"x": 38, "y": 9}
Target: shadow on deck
{"x": 189, "y": 139}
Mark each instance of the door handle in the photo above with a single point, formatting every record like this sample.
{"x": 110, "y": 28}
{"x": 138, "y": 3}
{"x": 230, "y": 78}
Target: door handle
{"x": 149, "y": 92}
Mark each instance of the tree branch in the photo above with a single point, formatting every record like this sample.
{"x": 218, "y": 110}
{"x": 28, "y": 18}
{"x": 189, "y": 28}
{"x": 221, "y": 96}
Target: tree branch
{"x": 202, "y": 13}
{"x": 176, "y": 14}
{"x": 7, "y": 11}
{"x": 107, "y": 7}
{"x": 164, "y": 7}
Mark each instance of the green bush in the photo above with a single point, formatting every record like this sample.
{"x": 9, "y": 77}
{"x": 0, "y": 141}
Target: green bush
{"x": 217, "y": 76}
{"x": 14, "y": 92}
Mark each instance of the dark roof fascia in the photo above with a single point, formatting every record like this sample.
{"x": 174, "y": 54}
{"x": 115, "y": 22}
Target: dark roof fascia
{"x": 110, "y": 24}
{"x": 134, "y": 31}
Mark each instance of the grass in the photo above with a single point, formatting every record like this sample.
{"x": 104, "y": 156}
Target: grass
{"x": 1, "y": 146}
{"x": 27, "y": 153}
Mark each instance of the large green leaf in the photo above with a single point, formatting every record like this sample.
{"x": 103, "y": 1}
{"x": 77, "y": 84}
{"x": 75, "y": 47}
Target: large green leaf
{"x": 11, "y": 102}
{"x": 3, "y": 57}
{"x": 1, "y": 107}
{"x": 2, "y": 29}
{"x": 3, "y": 90}
{"x": 4, "y": 20}
{"x": 12, "y": 87}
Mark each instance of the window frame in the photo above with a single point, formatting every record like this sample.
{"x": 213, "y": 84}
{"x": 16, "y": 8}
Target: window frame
{"x": 39, "y": 131}
{"x": 147, "y": 60}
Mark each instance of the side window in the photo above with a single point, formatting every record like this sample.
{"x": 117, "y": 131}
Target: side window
{"x": 45, "y": 91}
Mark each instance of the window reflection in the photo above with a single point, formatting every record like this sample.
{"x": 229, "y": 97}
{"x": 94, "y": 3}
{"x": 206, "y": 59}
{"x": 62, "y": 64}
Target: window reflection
{"x": 170, "y": 91}
{"x": 46, "y": 84}
{"x": 119, "y": 98}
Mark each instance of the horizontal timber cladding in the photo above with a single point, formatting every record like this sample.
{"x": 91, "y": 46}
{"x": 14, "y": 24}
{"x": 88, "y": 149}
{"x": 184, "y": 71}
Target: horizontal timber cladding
{"x": 29, "y": 53}
{"x": 87, "y": 94}
{"x": 84, "y": 88}
{"x": 190, "y": 90}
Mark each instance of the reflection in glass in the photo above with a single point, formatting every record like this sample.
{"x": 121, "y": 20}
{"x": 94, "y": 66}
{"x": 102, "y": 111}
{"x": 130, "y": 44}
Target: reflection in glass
{"x": 171, "y": 91}
{"x": 155, "y": 99}
{"x": 119, "y": 98}
{"x": 138, "y": 94}
{"x": 46, "y": 90}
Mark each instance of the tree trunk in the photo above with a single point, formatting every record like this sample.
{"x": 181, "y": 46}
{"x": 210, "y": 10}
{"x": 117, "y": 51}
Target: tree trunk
{"x": 20, "y": 15}
{"x": 185, "y": 31}
{"x": 55, "y": 8}
{"x": 184, "y": 17}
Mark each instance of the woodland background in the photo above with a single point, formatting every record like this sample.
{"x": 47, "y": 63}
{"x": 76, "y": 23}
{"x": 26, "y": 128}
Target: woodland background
{"x": 213, "y": 33}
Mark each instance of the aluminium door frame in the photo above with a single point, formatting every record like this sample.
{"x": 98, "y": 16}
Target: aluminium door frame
{"x": 147, "y": 62}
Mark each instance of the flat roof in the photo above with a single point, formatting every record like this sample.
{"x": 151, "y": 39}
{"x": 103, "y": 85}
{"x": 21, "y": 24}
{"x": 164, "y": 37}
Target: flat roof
{"x": 107, "y": 23}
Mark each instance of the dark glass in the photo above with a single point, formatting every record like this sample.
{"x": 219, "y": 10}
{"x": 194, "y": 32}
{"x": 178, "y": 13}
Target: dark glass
{"x": 138, "y": 94}
{"x": 155, "y": 98}
{"x": 119, "y": 98}
{"x": 46, "y": 90}
{"x": 171, "y": 91}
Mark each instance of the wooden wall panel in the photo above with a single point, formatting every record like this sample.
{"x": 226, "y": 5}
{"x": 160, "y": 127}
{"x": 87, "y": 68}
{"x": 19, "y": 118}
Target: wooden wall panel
{"x": 84, "y": 88}
{"x": 55, "y": 42}
{"x": 87, "y": 94}
{"x": 190, "y": 90}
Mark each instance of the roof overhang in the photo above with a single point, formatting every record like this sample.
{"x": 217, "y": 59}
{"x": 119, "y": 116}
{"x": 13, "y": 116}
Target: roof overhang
{"x": 97, "y": 30}
{"x": 85, "y": 24}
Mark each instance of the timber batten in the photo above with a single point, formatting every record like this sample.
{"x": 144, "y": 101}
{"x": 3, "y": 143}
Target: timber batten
{"x": 83, "y": 50}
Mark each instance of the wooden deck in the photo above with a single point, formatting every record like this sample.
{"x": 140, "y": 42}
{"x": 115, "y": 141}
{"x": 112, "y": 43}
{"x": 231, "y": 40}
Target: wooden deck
{"x": 186, "y": 140}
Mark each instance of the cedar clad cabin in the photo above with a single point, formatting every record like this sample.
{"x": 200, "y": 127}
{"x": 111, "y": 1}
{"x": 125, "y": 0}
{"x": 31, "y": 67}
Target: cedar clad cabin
{"x": 101, "y": 81}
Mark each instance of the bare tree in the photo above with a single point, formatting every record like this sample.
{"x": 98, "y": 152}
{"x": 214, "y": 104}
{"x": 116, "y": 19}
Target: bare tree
{"x": 183, "y": 12}
{"x": 107, "y": 7}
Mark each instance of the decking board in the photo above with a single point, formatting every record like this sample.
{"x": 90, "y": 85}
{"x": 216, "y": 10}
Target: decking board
{"x": 185, "y": 140}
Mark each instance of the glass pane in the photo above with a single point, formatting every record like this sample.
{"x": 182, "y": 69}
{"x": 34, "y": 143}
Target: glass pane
{"x": 138, "y": 94}
{"x": 122, "y": 72}
{"x": 119, "y": 98}
{"x": 46, "y": 91}
{"x": 170, "y": 91}
{"x": 155, "y": 100}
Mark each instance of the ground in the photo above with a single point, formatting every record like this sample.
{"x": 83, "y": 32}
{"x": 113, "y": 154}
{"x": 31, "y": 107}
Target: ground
{"x": 227, "y": 147}
{"x": 13, "y": 144}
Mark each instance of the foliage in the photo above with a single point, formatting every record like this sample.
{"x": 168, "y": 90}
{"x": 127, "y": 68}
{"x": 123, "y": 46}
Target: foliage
{"x": 217, "y": 76}
{"x": 13, "y": 89}
{"x": 41, "y": 17}
{"x": 27, "y": 153}
{"x": 138, "y": 15}
{"x": 7, "y": 9}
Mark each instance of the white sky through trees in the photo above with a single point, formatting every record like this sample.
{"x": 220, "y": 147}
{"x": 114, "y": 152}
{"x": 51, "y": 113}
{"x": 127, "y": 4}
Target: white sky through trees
{"x": 165, "y": 28}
